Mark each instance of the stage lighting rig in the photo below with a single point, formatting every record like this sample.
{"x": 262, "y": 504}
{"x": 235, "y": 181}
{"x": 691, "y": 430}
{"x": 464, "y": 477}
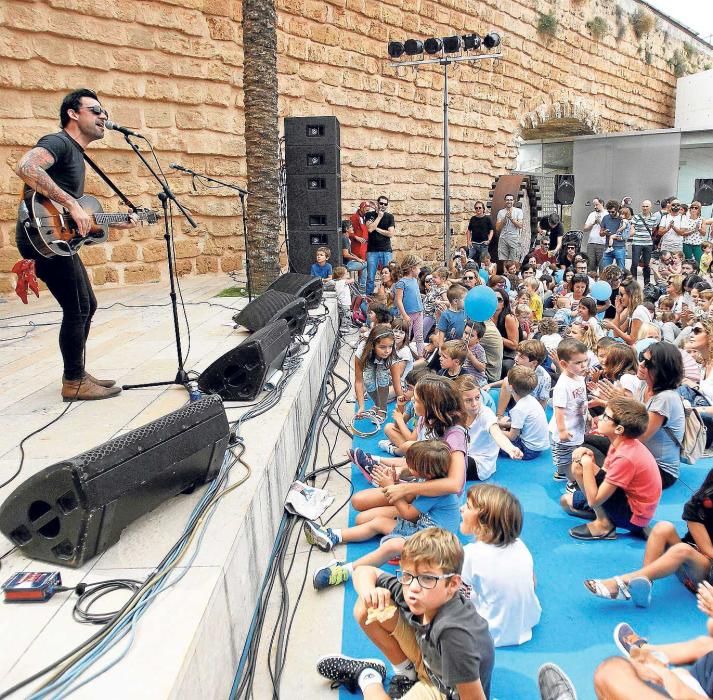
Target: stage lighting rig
{"x": 445, "y": 50}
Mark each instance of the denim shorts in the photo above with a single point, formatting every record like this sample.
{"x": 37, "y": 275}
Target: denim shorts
{"x": 616, "y": 507}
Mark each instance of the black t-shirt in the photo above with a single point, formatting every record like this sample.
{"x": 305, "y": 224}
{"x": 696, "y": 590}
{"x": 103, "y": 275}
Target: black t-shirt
{"x": 555, "y": 232}
{"x": 68, "y": 169}
{"x": 377, "y": 242}
{"x": 695, "y": 511}
{"x": 480, "y": 228}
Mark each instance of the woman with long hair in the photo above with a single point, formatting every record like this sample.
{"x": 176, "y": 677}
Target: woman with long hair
{"x": 509, "y": 328}
{"x": 630, "y": 313}
{"x": 701, "y": 341}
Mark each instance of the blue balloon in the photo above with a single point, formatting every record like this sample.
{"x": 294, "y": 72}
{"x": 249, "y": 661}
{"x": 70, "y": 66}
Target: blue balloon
{"x": 483, "y": 274}
{"x": 480, "y": 303}
{"x": 601, "y": 290}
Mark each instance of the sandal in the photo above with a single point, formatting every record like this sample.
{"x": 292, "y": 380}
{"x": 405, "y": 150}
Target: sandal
{"x": 595, "y": 586}
{"x": 582, "y": 532}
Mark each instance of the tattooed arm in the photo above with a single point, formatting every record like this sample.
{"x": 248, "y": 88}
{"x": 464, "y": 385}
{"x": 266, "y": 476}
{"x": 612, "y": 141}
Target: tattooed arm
{"x": 32, "y": 168}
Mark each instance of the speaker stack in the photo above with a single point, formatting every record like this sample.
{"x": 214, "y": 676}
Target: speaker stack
{"x": 314, "y": 190}
{"x": 76, "y": 509}
{"x": 564, "y": 189}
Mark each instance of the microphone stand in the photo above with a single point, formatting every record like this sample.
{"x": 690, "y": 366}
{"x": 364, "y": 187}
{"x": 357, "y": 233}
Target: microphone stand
{"x": 165, "y": 196}
{"x": 241, "y": 193}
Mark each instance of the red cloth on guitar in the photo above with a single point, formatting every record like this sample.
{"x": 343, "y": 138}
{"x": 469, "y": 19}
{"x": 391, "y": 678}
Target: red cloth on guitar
{"x": 26, "y": 279}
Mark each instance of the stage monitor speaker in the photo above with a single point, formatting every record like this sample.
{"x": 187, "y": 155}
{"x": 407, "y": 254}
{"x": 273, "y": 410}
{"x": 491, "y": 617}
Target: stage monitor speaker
{"x": 704, "y": 192}
{"x": 308, "y": 131}
{"x": 241, "y": 373}
{"x": 271, "y": 306}
{"x": 564, "y": 189}
{"x": 76, "y": 509}
{"x": 305, "y": 286}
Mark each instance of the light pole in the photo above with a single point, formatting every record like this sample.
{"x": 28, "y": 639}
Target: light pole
{"x": 445, "y": 61}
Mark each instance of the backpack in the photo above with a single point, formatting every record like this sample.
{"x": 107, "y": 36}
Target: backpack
{"x": 693, "y": 445}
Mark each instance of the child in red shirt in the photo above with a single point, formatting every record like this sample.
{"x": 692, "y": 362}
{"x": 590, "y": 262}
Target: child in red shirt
{"x": 626, "y": 491}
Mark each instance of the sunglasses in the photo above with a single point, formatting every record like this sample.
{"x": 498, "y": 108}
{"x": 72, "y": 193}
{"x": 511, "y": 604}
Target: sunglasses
{"x": 469, "y": 277}
{"x": 429, "y": 279}
{"x": 697, "y": 330}
{"x": 694, "y": 206}
{"x": 97, "y": 109}
{"x": 646, "y": 361}
{"x": 501, "y": 300}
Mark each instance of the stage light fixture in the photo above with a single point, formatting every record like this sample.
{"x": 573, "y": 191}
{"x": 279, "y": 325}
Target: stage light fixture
{"x": 395, "y": 49}
{"x": 492, "y": 40}
{"x": 413, "y": 47}
{"x": 471, "y": 42}
{"x": 433, "y": 45}
{"x": 452, "y": 44}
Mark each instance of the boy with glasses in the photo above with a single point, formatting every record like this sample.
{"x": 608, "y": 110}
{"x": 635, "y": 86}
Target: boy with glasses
{"x": 624, "y": 492}
{"x": 437, "y": 643}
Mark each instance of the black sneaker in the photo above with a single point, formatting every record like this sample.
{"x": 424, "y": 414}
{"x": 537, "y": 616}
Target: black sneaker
{"x": 400, "y": 685}
{"x": 571, "y": 487}
{"x": 345, "y": 670}
{"x": 559, "y": 477}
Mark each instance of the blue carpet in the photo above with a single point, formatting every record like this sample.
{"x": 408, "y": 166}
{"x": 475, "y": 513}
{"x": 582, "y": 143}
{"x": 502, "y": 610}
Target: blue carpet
{"x": 576, "y": 628}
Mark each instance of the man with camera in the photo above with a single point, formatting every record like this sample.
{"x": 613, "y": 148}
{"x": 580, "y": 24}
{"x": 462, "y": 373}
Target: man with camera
{"x": 596, "y": 243}
{"x": 509, "y": 225}
{"x": 381, "y": 227}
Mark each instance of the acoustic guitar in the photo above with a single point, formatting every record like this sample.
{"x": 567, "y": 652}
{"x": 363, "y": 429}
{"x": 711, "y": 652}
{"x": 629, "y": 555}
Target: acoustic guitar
{"x": 52, "y": 231}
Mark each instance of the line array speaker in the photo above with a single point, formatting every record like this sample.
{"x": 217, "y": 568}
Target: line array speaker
{"x": 271, "y": 306}
{"x": 564, "y": 189}
{"x": 704, "y": 191}
{"x": 76, "y": 509}
{"x": 314, "y": 189}
{"x": 305, "y": 286}
{"x": 241, "y": 373}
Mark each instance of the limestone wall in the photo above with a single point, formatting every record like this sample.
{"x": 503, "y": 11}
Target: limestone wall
{"x": 173, "y": 70}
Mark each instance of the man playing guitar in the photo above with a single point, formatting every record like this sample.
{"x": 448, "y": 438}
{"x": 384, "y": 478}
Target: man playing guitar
{"x": 55, "y": 168}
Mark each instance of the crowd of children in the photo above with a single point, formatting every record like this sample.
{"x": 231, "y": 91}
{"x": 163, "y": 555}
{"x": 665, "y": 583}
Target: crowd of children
{"x": 618, "y": 376}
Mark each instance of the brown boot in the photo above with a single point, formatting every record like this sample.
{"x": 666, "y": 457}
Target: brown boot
{"x": 85, "y": 390}
{"x": 108, "y": 383}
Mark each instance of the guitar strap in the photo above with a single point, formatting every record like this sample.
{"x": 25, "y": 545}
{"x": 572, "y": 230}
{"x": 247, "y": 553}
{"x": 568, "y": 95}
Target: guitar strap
{"x": 101, "y": 174}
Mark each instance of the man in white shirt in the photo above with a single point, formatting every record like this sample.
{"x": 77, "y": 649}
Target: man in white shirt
{"x": 596, "y": 242}
{"x": 509, "y": 225}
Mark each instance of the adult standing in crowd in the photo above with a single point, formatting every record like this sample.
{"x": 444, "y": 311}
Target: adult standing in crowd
{"x": 509, "y": 225}
{"x": 671, "y": 239}
{"x": 480, "y": 230}
{"x": 381, "y": 227}
{"x": 642, "y": 241}
{"x": 358, "y": 236}
{"x": 692, "y": 242}
{"x": 596, "y": 243}
{"x": 551, "y": 227}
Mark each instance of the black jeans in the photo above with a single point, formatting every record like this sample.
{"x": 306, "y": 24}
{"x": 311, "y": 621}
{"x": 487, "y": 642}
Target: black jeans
{"x": 641, "y": 253}
{"x": 68, "y": 282}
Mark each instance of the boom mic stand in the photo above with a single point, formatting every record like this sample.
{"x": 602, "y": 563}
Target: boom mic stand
{"x": 165, "y": 196}
{"x": 241, "y": 193}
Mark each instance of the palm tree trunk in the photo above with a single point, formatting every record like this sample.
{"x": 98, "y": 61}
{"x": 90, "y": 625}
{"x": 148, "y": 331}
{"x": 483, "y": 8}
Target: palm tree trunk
{"x": 261, "y": 140}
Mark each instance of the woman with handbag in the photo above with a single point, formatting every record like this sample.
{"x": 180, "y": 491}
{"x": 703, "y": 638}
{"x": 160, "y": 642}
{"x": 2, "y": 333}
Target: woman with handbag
{"x": 700, "y": 396}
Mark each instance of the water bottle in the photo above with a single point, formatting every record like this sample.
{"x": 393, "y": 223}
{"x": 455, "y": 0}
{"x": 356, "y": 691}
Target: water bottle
{"x": 194, "y": 393}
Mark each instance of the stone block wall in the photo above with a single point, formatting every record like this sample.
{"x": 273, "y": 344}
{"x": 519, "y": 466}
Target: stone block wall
{"x": 173, "y": 70}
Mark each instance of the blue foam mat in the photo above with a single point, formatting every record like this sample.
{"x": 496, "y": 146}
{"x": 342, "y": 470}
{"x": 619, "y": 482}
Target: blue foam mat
{"x": 576, "y": 628}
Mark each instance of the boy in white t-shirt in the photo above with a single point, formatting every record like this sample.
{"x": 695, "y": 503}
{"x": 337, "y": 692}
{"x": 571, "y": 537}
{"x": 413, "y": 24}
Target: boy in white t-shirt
{"x": 497, "y": 568}
{"x": 569, "y": 401}
{"x": 526, "y": 427}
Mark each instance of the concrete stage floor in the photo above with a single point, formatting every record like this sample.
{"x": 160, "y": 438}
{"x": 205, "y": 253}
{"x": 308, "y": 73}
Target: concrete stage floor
{"x": 189, "y": 641}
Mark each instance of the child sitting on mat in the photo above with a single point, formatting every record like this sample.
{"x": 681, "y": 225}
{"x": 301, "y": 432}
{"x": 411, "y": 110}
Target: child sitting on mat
{"x": 498, "y": 568}
{"x": 377, "y": 367}
{"x": 427, "y": 459}
{"x": 526, "y": 427}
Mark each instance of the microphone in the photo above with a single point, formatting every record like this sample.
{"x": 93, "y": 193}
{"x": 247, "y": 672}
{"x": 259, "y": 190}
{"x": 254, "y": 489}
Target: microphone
{"x": 176, "y": 166}
{"x": 121, "y": 129}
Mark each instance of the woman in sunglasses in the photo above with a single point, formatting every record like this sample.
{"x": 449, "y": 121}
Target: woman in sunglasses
{"x": 630, "y": 314}
{"x": 701, "y": 394}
